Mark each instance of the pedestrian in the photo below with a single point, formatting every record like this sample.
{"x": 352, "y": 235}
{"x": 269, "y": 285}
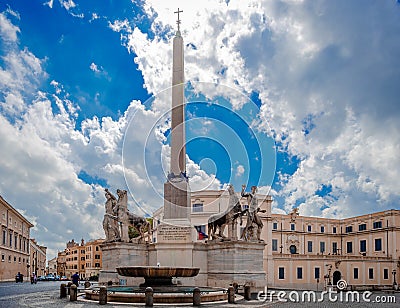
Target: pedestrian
{"x": 75, "y": 279}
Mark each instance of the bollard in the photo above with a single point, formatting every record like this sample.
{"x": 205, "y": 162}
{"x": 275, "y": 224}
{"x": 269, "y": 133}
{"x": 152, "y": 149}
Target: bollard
{"x": 63, "y": 290}
{"x": 103, "y": 295}
{"x": 73, "y": 293}
{"x": 69, "y": 284}
{"x": 247, "y": 293}
{"x": 196, "y": 297}
{"x": 87, "y": 284}
{"x": 149, "y": 296}
{"x": 231, "y": 295}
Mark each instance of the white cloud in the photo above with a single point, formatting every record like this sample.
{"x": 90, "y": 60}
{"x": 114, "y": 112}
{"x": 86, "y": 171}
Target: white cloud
{"x": 239, "y": 171}
{"x": 49, "y": 3}
{"x": 333, "y": 79}
{"x": 8, "y": 31}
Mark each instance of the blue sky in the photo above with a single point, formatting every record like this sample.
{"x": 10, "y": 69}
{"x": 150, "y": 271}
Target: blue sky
{"x": 308, "y": 87}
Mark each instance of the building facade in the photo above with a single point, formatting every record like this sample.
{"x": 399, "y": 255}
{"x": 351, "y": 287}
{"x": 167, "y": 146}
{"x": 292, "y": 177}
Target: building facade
{"x": 84, "y": 258}
{"x": 14, "y": 245}
{"x": 61, "y": 263}
{"x": 311, "y": 253}
{"x": 52, "y": 266}
{"x": 37, "y": 258}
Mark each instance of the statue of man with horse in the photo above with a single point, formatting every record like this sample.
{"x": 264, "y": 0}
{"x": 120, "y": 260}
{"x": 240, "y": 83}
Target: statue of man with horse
{"x": 221, "y": 220}
{"x": 117, "y": 212}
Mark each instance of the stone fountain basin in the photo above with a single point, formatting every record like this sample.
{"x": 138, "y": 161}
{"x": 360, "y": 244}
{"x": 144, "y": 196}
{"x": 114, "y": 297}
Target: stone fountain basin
{"x": 159, "y": 272}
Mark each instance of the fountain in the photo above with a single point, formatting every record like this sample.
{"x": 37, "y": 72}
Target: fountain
{"x": 160, "y": 280}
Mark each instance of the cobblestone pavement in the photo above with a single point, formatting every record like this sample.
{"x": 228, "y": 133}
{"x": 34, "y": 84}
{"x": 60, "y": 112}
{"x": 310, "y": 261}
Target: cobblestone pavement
{"x": 50, "y": 298}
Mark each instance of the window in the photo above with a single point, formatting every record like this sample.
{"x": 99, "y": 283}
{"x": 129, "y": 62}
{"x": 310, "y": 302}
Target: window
{"x": 292, "y": 227}
{"x": 97, "y": 265}
{"x": 309, "y": 246}
{"x": 349, "y": 229}
{"x": 275, "y": 226}
{"x": 385, "y": 273}
{"x": 377, "y": 224}
{"x": 299, "y": 273}
{"x": 97, "y": 248}
{"x": 355, "y": 273}
{"x": 4, "y": 236}
{"x": 334, "y": 248}
{"x": 362, "y": 227}
{"x": 97, "y": 256}
{"x": 371, "y": 273}
{"x": 378, "y": 244}
{"x": 3, "y": 257}
{"x": 16, "y": 241}
{"x": 197, "y": 207}
{"x": 322, "y": 247}
{"x": 322, "y": 229}
{"x": 309, "y": 228}
{"x": 9, "y": 258}
{"x": 83, "y": 266}
{"x": 293, "y": 249}
{"x": 363, "y": 246}
{"x": 82, "y": 258}
{"x": 316, "y": 273}
{"x": 15, "y": 259}
{"x": 349, "y": 246}
{"x": 334, "y": 230}
{"x": 274, "y": 245}
{"x": 281, "y": 273}
{"x": 10, "y": 238}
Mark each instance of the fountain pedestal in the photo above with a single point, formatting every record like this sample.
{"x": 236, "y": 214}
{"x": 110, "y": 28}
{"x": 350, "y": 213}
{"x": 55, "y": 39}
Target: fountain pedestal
{"x": 236, "y": 261}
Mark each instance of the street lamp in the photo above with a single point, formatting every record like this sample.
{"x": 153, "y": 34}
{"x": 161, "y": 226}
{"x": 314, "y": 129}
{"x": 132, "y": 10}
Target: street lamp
{"x": 394, "y": 279}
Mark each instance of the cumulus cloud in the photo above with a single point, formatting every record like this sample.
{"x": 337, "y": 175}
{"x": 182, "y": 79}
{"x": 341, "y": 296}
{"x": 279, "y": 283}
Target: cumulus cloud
{"x": 328, "y": 88}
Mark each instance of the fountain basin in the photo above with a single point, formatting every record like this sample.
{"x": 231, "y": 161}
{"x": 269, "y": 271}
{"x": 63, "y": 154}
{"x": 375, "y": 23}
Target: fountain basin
{"x": 154, "y": 271}
{"x": 162, "y": 294}
{"x": 157, "y": 276}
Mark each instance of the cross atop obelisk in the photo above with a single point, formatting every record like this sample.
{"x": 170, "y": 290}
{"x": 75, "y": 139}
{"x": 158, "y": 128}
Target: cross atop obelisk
{"x": 178, "y": 21}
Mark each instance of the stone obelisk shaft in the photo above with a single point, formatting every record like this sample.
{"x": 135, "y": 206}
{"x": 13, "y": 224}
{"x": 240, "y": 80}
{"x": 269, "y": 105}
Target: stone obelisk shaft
{"x": 178, "y": 151}
{"x": 176, "y": 189}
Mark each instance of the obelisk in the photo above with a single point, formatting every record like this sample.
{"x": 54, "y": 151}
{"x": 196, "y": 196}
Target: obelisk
{"x": 176, "y": 189}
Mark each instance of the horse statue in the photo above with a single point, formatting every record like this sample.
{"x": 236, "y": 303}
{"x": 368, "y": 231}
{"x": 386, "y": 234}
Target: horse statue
{"x": 141, "y": 225}
{"x": 127, "y": 219}
{"x": 221, "y": 220}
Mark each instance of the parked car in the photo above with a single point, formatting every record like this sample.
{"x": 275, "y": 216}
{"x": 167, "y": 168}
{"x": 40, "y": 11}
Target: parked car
{"x": 57, "y": 277}
{"x": 50, "y": 277}
{"x": 63, "y": 278}
{"x": 41, "y": 278}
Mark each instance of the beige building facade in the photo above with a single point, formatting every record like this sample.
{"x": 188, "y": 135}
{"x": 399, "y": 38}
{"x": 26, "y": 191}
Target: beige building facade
{"x": 311, "y": 253}
{"x": 84, "y": 258}
{"x": 14, "y": 242}
{"x": 52, "y": 266}
{"x": 37, "y": 258}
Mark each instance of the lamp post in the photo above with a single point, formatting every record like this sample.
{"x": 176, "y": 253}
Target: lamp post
{"x": 394, "y": 279}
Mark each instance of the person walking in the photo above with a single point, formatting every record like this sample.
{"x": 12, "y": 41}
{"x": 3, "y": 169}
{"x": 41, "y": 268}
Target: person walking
{"x": 75, "y": 279}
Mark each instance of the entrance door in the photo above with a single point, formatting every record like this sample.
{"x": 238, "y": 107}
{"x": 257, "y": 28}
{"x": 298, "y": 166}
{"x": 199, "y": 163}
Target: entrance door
{"x": 336, "y": 277}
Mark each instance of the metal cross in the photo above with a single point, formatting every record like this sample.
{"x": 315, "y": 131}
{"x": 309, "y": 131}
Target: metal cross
{"x": 178, "y": 22}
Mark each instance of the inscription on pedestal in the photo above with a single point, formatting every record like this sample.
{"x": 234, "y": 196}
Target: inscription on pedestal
{"x": 167, "y": 233}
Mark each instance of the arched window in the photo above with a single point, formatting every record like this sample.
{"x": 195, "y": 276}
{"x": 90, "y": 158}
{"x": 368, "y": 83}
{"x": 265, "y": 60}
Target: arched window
{"x": 293, "y": 249}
